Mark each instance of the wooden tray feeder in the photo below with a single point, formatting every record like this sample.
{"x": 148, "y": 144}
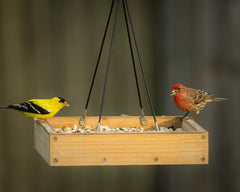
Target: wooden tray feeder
{"x": 148, "y": 147}
{"x": 145, "y": 148}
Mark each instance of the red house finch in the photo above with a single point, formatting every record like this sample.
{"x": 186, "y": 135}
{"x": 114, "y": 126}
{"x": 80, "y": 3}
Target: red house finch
{"x": 191, "y": 100}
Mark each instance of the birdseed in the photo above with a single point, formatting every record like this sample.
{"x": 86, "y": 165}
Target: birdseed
{"x": 106, "y": 129}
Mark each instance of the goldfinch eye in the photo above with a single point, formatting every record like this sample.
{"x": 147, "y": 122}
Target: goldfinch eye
{"x": 61, "y": 100}
{"x": 178, "y": 89}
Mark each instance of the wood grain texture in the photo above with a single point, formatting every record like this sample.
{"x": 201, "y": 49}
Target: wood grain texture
{"x": 41, "y": 140}
{"x": 191, "y": 125}
{"x": 161, "y": 148}
{"x": 129, "y": 149}
{"x": 116, "y": 121}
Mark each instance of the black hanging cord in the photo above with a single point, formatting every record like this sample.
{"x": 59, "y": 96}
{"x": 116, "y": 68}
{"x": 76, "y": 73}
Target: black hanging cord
{"x": 82, "y": 121}
{"x": 140, "y": 62}
{"x": 133, "y": 61}
{"x": 107, "y": 69}
{"x": 125, "y": 6}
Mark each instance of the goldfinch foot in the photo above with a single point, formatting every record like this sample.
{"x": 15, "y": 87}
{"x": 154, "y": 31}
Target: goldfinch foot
{"x": 41, "y": 120}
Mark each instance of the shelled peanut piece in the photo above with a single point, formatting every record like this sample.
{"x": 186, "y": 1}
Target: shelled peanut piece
{"x": 106, "y": 129}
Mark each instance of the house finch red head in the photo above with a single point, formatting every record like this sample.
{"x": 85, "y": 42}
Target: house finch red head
{"x": 191, "y": 100}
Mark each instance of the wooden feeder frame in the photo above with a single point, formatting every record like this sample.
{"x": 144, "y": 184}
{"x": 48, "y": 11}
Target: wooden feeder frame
{"x": 145, "y": 148}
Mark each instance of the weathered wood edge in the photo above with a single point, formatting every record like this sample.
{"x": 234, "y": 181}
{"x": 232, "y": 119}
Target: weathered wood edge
{"x": 190, "y": 124}
{"x": 41, "y": 141}
{"x": 47, "y": 127}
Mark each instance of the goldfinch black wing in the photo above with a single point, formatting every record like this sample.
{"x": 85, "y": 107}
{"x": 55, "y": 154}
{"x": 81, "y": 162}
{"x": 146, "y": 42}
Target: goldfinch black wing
{"x": 29, "y": 107}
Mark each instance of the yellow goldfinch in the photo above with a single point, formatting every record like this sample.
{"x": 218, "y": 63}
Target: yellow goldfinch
{"x": 39, "y": 108}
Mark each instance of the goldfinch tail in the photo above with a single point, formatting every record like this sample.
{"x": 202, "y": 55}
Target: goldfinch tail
{"x": 4, "y": 107}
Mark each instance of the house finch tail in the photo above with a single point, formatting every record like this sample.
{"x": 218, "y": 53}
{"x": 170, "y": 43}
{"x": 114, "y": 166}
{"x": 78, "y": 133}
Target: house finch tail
{"x": 219, "y": 99}
{"x": 191, "y": 100}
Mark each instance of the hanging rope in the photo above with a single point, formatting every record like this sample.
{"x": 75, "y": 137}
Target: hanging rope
{"x": 127, "y": 17}
{"x": 82, "y": 120}
{"x": 140, "y": 62}
{"x": 108, "y": 64}
{"x": 143, "y": 120}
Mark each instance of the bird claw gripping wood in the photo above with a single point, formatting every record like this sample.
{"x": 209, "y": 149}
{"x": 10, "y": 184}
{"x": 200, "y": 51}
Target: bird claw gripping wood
{"x": 184, "y": 116}
{"x": 41, "y": 120}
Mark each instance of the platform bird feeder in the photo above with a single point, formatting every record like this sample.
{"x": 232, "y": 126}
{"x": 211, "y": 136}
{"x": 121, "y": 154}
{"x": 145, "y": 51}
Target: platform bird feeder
{"x": 143, "y": 148}
{"x": 149, "y": 146}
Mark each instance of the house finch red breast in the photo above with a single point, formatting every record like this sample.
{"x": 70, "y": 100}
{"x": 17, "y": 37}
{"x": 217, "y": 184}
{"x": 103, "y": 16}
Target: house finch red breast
{"x": 191, "y": 100}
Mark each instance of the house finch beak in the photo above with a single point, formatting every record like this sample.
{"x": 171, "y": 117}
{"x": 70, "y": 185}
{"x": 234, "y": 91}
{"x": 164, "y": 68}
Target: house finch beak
{"x": 191, "y": 100}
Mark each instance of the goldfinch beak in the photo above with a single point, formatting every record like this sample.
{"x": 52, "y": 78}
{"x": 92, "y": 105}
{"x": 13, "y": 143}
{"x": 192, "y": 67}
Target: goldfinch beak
{"x": 66, "y": 104}
{"x": 173, "y": 93}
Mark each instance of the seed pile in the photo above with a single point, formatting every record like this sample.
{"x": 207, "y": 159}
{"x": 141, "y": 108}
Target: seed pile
{"x": 106, "y": 129}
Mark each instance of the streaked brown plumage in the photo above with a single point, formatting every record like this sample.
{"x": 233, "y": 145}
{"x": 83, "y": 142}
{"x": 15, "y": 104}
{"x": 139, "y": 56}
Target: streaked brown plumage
{"x": 191, "y": 100}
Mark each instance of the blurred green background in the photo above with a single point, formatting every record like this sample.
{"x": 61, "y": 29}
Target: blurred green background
{"x": 49, "y": 48}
